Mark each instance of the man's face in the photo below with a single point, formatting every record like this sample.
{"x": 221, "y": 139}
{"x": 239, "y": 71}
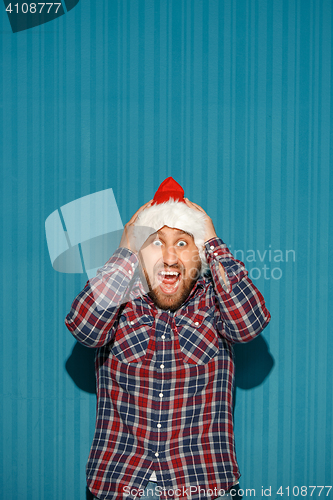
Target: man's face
{"x": 171, "y": 264}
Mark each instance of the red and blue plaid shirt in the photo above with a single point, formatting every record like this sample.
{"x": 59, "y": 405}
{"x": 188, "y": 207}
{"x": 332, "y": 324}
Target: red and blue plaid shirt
{"x": 165, "y": 379}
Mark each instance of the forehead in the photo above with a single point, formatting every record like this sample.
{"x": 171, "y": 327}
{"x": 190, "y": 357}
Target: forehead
{"x": 166, "y": 231}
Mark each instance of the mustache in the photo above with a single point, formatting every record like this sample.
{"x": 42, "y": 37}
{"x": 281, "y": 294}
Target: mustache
{"x": 166, "y": 267}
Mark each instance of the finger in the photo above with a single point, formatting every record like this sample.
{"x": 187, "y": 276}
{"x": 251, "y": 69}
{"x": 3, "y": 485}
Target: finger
{"x": 191, "y": 204}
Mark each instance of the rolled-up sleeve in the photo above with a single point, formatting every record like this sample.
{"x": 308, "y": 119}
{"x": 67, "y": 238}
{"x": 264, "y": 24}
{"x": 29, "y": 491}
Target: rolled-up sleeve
{"x": 243, "y": 311}
{"x": 95, "y": 309}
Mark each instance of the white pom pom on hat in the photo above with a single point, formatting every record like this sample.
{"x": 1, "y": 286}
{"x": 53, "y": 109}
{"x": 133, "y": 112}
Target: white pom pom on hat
{"x": 169, "y": 209}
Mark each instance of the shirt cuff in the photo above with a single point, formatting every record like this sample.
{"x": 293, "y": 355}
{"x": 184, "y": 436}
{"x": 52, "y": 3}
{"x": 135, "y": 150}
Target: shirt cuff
{"x": 217, "y": 252}
{"x": 215, "y": 246}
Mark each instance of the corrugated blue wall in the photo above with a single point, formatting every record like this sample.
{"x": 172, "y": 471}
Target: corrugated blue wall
{"x": 233, "y": 99}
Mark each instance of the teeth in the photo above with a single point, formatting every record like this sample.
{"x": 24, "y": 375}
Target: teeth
{"x": 169, "y": 273}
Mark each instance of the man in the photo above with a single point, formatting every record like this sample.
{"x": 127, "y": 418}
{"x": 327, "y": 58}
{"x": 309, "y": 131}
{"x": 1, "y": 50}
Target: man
{"x": 164, "y": 363}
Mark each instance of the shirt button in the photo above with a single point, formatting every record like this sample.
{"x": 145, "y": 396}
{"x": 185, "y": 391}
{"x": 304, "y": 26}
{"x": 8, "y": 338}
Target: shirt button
{"x": 196, "y": 323}
{"x": 159, "y": 426}
{"x": 212, "y": 248}
{"x": 161, "y": 394}
{"x": 163, "y": 337}
{"x": 215, "y": 253}
{"x": 129, "y": 272}
{"x": 156, "y": 454}
{"x": 161, "y": 366}
{"x": 131, "y": 323}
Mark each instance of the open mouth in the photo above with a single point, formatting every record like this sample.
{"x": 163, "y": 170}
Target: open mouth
{"x": 169, "y": 280}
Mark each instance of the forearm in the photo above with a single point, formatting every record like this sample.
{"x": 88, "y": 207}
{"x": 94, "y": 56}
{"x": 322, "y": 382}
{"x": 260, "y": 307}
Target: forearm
{"x": 242, "y": 307}
{"x": 95, "y": 309}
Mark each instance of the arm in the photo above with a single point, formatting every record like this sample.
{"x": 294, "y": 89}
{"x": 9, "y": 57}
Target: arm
{"x": 241, "y": 305}
{"x": 96, "y": 308}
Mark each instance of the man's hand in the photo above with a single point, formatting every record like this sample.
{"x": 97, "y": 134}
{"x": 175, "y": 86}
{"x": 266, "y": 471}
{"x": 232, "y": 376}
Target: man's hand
{"x": 210, "y": 230}
{"x": 127, "y": 238}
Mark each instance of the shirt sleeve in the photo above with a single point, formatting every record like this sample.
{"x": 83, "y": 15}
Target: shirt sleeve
{"x": 95, "y": 309}
{"x": 242, "y": 307}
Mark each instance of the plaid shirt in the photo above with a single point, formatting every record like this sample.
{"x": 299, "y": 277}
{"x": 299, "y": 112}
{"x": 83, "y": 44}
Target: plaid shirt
{"x": 165, "y": 379}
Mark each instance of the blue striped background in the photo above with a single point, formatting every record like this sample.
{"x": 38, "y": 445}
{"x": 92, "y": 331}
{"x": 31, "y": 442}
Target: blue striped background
{"x": 233, "y": 99}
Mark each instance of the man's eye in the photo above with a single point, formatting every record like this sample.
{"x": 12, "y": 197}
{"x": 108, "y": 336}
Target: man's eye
{"x": 157, "y": 243}
{"x": 182, "y": 243}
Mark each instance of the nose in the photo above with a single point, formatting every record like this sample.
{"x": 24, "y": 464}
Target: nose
{"x": 169, "y": 255}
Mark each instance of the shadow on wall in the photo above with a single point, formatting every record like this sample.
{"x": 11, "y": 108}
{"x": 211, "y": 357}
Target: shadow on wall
{"x": 80, "y": 367}
{"x": 89, "y": 495}
{"x": 253, "y": 363}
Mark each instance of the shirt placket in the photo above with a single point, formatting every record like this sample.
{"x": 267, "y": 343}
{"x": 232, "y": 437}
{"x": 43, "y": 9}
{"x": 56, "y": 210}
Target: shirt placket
{"x": 161, "y": 388}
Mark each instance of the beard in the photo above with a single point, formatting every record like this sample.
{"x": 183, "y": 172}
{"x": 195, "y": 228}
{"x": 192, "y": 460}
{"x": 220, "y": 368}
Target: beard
{"x": 172, "y": 302}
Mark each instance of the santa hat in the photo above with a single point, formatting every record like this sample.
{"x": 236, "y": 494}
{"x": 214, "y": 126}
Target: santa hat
{"x": 169, "y": 209}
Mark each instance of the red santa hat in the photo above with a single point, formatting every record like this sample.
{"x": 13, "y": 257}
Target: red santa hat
{"x": 169, "y": 209}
